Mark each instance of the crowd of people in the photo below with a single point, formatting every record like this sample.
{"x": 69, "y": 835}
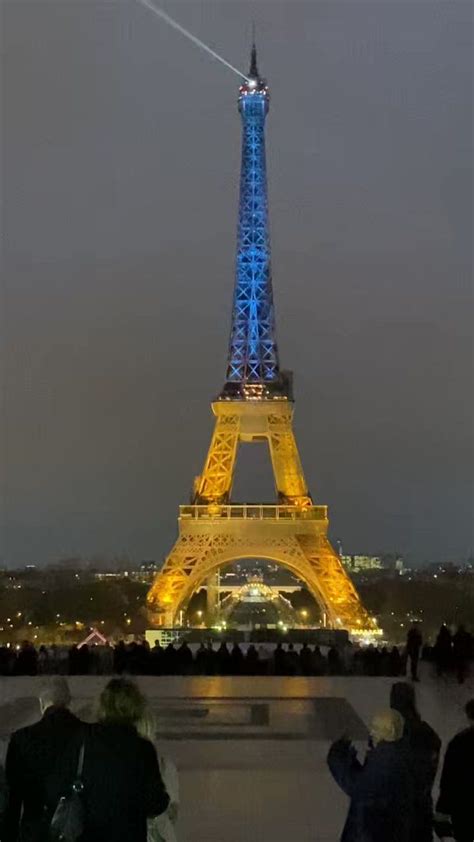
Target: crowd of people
{"x": 68, "y": 780}
{"x": 450, "y": 653}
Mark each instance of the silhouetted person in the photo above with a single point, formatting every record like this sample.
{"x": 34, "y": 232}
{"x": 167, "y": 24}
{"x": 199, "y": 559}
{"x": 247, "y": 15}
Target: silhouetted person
{"x": 73, "y": 660}
{"x": 385, "y": 666}
{"x": 370, "y": 660}
{"x": 462, "y": 644}
{"x": 120, "y": 657}
{"x": 381, "y": 790}
{"x": 251, "y": 660}
{"x": 201, "y": 660}
{"x": 413, "y": 649}
{"x": 142, "y": 658}
{"x": 264, "y": 659}
{"x": 424, "y": 746}
{"x": 41, "y": 764}
{"x": 43, "y": 661}
{"x": 3, "y": 795}
{"x": 395, "y": 662}
{"x": 318, "y": 662}
{"x": 185, "y": 659}
{"x": 292, "y": 661}
{"x": 334, "y": 662}
{"x": 26, "y": 663}
{"x": 122, "y": 781}
{"x": 279, "y": 657}
{"x": 358, "y": 664}
{"x": 211, "y": 660}
{"x": 237, "y": 660}
{"x": 305, "y": 659}
{"x": 170, "y": 660}
{"x": 156, "y": 658}
{"x": 455, "y": 807}
{"x": 223, "y": 659}
{"x": 5, "y": 657}
{"x": 83, "y": 660}
{"x": 443, "y": 650}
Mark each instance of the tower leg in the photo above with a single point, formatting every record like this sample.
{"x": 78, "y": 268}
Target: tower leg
{"x": 286, "y": 462}
{"x": 343, "y": 606}
{"x": 216, "y": 480}
{"x": 212, "y": 598}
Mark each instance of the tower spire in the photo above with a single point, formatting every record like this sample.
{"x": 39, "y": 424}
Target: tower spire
{"x": 253, "y": 369}
{"x": 253, "y": 72}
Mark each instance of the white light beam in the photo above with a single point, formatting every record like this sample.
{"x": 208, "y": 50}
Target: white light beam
{"x": 191, "y": 37}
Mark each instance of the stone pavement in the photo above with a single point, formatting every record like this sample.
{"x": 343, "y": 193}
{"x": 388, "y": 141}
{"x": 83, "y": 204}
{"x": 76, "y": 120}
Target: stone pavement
{"x": 251, "y": 751}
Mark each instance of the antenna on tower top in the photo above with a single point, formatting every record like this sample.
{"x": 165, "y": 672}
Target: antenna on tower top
{"x": 253, "y": 72}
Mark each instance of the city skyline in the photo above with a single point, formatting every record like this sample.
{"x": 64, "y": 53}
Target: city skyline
{"x": 120, "y": 222}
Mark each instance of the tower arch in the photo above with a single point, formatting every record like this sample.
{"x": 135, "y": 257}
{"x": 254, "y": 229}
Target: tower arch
{"x": 295, "y": 538}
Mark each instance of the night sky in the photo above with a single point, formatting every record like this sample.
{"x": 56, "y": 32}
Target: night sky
{"x": 121, "y": 147}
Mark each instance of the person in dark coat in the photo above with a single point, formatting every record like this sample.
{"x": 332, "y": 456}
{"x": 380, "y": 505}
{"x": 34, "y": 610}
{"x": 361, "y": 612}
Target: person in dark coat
{"x": 41, "y": 762}
{"x": 454, "y": 815}
{"x": 156, "y": 658}
{"x": 424, "y": 746}
{"x": 462, "y": 645}
{"x": 413, "y": 649}
{"x": 395, "y": 662}
{"x": 305, "y": 659}
{"x": 279, "y": 659}
{"x": 443, "y": 650}
{"x": 237, "y": 660}
{"x": 185, "y": 659}
{"x": 170, "y": 661}
{"x": 334, "y": 662}
{"x": 382, "y": 789}
{"x": 3, "y": 796}
{"x": 318, "y": 662}
{"x": 223, "y": 659}
{"x": 201, "y": 660}
{"x": 122, "y": 780}
{"x": 251, "y": 661}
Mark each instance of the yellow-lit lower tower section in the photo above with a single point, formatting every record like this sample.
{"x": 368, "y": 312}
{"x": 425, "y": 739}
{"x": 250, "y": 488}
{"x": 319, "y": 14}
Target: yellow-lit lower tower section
{"x": 256, "y": 407}
{"x": 293, "y": 532}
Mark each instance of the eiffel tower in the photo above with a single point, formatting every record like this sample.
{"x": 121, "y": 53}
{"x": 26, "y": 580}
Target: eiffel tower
{"x": 256, "y": 406}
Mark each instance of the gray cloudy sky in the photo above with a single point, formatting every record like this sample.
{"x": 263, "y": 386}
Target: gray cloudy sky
{"x": 121, "y": 147}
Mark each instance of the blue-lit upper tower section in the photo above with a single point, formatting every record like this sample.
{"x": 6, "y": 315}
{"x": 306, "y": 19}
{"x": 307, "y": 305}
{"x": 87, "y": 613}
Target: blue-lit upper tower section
{"x": 253, "y": 370}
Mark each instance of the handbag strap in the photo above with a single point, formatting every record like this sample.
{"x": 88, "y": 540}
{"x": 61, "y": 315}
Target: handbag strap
{"x": 80, "y": 762}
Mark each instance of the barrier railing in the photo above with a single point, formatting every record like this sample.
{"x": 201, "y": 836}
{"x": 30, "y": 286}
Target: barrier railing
{"x": 247, "y": 511}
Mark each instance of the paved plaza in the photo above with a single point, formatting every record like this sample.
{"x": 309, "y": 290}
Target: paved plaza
{"x": 251, "y": 751}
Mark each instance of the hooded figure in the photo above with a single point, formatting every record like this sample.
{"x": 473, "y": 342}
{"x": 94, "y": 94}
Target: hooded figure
{"x": 382, "y": 789}
{"x": 424, "y": 746}
{"x": 454, "y": 810}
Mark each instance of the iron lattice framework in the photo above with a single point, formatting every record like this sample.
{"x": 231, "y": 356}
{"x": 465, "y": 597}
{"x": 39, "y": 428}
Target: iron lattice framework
{"x": 253, "y": 353}
{"x": 255, "y": 406}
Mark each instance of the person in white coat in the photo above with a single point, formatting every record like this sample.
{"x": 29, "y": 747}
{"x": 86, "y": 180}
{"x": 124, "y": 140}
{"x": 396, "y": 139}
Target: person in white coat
{"x": 162, "y": 828}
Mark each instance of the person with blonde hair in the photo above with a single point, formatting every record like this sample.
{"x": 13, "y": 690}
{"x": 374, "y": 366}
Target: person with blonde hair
{"x": 162, "y": 828}
{"x": 122, "y": 782}
{"x": 381, "y": 790}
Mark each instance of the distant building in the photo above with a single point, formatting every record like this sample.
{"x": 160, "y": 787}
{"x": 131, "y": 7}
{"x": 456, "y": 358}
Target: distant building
{"x": 359, "y": 563}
